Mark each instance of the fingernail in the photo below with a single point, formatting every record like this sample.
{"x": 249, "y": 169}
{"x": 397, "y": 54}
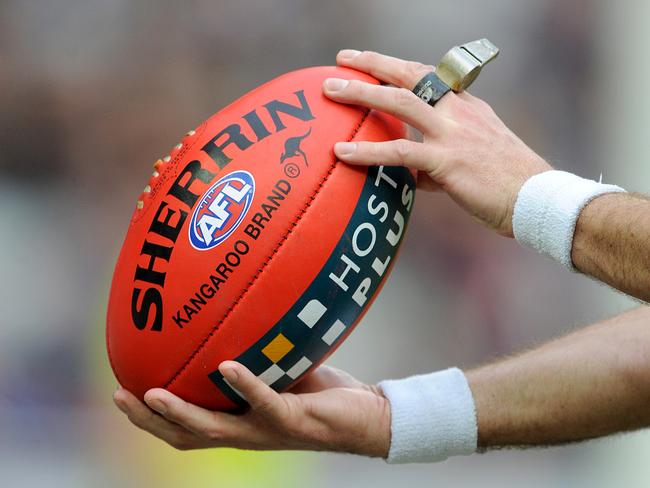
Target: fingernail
{"x": 345, "y": 148}
{"x": 335, "y": 84}
{"x": 158, "y": 405}
{"x": 231, "y": 375}
{"x": 349, "y": 53}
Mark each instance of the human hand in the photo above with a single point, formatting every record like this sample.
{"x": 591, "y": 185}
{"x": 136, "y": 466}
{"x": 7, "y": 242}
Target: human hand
{"x": 328, "y": 410}
{"x": 467, "y": 151}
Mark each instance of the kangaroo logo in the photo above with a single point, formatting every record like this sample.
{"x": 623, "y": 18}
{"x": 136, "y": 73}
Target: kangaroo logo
{"x": 292, "y": 148}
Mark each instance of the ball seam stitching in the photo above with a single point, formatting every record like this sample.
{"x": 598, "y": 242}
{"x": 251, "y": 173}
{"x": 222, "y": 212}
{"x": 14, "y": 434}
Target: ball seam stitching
{"x": 293, "y": 224}
{"x": 171, "y": 171}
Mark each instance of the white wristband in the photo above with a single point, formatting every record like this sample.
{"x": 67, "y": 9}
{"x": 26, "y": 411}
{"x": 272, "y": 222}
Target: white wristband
{"x": 547, "y": 209}
{"x": 432, "y": 417}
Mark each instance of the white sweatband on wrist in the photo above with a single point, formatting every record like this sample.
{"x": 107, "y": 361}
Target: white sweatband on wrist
{"x": 432, "y": 417}
{"x": 547, "y": 209}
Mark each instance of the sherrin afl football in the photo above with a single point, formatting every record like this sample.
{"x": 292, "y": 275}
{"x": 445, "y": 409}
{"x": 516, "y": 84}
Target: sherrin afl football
{"x": 251, "y": 242}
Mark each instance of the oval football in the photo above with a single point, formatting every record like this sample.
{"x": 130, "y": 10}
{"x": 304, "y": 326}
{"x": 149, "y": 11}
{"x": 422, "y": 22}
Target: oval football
{"x": 254, "y": 243}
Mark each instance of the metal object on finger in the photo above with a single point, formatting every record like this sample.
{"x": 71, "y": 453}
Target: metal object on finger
{"x": 431, "y": 88}
{"x": 456, "y": 71}
{"x": 462, "y": 64}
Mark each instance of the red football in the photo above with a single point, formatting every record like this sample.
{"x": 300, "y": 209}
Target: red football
{"x": 251, "y": 242}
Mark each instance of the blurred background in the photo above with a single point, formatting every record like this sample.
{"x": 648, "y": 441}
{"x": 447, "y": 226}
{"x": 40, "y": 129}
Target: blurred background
{"x": 93, "y": 91}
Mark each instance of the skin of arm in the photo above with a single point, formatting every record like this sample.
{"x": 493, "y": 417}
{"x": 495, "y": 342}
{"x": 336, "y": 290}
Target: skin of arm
{"x": 590, "y": 383}
{"x": 612, "y": 242}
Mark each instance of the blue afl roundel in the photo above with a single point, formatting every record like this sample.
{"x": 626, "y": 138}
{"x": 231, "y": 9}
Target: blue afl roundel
{"x": 221, "y": 210}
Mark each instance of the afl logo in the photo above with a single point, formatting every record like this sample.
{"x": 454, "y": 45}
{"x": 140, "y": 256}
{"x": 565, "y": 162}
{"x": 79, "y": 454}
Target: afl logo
{"x": 221, "y": 210}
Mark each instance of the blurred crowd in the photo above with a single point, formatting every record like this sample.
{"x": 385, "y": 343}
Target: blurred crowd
{"x": 92, "y": 92}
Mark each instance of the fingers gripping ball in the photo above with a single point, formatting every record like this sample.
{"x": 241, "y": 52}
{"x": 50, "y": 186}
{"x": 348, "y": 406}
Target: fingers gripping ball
{"x": 252, "y": 243}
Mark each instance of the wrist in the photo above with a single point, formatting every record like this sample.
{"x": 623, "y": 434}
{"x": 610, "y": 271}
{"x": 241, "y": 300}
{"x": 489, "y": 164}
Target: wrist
{"x": 433, "y": 417}
{"x": 380, "y": 443}
{"x": 547, "y": 208}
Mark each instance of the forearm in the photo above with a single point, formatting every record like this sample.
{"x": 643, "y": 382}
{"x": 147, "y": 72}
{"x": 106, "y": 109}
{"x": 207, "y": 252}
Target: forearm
{"x": 612, "y": 242}
{"x": 591, "y": 383}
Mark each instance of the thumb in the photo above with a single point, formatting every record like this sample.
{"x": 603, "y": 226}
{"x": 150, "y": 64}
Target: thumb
{"x": 261, "y": 397}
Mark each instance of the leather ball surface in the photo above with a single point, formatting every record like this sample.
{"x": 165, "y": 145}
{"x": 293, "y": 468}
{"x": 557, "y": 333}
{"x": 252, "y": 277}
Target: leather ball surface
{"x": 251, "y": 242}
